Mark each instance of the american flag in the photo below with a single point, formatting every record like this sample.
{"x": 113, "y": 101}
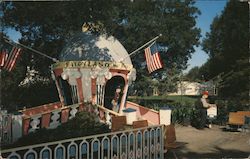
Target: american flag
{"x": 153, "y": 58}
{"x": 3, "y": 57}
{"x": 8, "y": 60}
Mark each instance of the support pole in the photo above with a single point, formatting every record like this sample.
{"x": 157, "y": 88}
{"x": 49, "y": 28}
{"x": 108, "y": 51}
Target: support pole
{"x": 249, "y": 46}
{"x": 0, "y": 89}
{"x": 1, "y": 116}
{"x": 135, "y": 51}
{"x": 33, "y": 50}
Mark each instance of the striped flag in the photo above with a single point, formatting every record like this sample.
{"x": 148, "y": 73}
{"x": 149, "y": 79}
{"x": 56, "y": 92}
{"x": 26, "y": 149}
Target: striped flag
{"x": 10, "y": 62}
{"x": 3, "y": 57}
{"x": 153, "y": 58}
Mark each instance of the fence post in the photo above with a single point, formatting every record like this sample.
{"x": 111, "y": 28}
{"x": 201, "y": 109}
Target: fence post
{"x": 16, "y": 127}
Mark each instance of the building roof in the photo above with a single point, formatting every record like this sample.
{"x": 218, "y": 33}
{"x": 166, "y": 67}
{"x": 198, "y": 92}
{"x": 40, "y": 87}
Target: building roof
{"x": 86, "y": 46}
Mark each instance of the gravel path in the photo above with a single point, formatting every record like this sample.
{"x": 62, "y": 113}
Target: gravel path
{"x": 210, "y": 143}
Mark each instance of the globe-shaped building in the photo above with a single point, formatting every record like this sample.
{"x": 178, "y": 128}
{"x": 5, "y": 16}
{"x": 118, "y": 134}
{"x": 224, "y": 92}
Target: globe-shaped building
{"x": 94, "y": 69}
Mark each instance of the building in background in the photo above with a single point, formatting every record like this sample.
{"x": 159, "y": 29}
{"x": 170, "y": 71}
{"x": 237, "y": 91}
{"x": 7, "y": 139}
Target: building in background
{"x": 195, "y": 88}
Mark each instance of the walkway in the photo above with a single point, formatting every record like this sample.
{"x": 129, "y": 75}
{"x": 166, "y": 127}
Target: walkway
{"x": 211, "y": 143}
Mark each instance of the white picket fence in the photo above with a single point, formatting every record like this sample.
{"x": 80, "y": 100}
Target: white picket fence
{"x": 142, "y": 143}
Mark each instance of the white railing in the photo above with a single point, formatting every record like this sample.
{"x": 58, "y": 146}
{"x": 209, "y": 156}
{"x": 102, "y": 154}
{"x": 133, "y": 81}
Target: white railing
{"x": 5, "y": 127}
{"x": 142, "y": 143}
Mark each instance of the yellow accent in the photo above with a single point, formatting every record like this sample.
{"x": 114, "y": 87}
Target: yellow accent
{"x": 92, "y": 64}
{"x": 85, "y": 27}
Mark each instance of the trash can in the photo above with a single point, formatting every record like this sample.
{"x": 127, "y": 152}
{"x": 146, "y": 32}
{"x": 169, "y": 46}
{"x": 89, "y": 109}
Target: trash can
{"x": 130, "y": 115}
{"x": 165, "y": 115}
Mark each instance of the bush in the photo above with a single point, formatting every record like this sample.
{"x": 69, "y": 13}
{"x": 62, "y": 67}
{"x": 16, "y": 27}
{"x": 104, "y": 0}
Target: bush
{"x": 182, "y": 113}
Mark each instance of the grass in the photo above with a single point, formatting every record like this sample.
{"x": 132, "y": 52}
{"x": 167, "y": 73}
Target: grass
{"x": 176, "y": 99}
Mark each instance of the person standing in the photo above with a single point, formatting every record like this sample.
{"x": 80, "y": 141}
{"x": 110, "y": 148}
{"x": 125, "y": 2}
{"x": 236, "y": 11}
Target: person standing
{"x": 205, "y": 106}
{"x": 116, "y": 100}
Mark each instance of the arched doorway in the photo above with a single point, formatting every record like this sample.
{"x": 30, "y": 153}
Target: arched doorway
{"x": 111, "y": 98}
{"x": 66, "y": 91}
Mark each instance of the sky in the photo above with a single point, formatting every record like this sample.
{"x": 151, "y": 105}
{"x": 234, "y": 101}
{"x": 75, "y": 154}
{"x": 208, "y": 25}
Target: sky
{"x": 209, "y": 9}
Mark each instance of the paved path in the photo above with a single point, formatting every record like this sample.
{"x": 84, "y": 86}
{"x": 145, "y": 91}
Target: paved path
{"x": 211, "y": 143}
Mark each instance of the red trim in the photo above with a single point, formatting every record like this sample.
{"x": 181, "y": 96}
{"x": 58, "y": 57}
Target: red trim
{"x": 124, "y": 76}
{"x": 65, "y": 115}
{"x": 59, "y": 92}
{"x": 81, "y": 107}
{"x": 26, "y": 125}
{"x": 42, "y": 109}
{"x": 45, "y": 120}
{"x": 79, "y": 88}
{"x": 93, "y": 90}
{"x": 124, "y": 72}
{"x": 58, "y": 72}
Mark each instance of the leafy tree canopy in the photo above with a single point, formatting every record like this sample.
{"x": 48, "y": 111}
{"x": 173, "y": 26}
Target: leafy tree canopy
{"x": 193, "y": 74}
{"x": 46, "y": 26}
{"x": 228, "y": 48}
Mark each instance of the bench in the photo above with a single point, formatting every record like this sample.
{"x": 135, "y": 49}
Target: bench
{"x": 244, "y": 113}
{"x": 140, "y": 124}
{"x": 118, "y": 123}
{"x": 238, "y": 118}
{"x": 235, "y": 119}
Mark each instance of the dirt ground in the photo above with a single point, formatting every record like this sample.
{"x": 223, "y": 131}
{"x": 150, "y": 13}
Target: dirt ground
{"x": 210, "y": 143}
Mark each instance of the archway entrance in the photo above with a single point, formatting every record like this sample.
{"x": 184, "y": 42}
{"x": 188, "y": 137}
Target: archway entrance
{"x": 66, "y": 92}
{"x": 113, "y": 96}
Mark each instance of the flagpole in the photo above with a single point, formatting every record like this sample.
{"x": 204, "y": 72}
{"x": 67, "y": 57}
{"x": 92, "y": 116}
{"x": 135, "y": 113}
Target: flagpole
{"x": 135, "y": 51}
{"x": 1, "y": 89}
{"x": 1, "y": 123}
{"x": 38, "y": 52}
{"x": 1, "y": 130}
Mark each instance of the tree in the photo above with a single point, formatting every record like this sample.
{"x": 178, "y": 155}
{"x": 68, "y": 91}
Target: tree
{"x": 193, "y": 74}
{"x": 8, "y": 80}
{"x": 227, "y": 47}
{"x": 48, "y": 25}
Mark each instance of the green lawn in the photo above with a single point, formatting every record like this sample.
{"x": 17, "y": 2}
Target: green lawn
{"x": 179, "y": 99}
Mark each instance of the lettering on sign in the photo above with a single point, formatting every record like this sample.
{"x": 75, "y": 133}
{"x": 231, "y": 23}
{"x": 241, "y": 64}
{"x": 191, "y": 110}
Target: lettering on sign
{"x": 92, "y": 64}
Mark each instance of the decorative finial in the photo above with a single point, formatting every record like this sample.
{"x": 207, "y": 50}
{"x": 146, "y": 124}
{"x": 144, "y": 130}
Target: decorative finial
{"x": 85, "y": 27}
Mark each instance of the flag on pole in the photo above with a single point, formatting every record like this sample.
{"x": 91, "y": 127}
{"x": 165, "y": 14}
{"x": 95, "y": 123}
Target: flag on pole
{"x": 153, "y": 58}
{"x": 13, "y": 62}
{"x": 8, "y": 60}
{"x": 3, "y": 57}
